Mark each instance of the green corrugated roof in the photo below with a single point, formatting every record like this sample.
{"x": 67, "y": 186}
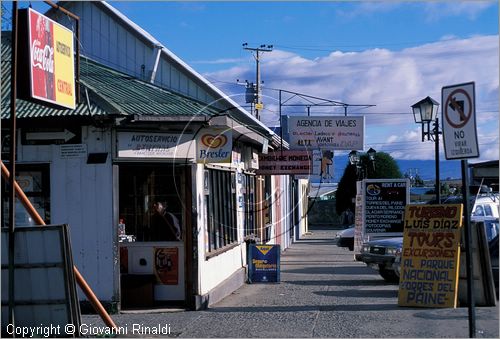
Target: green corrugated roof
{"x": 117, "y": 94}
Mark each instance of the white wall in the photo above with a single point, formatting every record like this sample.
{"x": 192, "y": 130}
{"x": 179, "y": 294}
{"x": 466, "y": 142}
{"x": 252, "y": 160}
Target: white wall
{"x": 302, "y": 185}
{"x": 81, "y": 196}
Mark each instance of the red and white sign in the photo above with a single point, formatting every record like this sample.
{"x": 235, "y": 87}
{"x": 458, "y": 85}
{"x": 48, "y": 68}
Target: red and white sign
{"x": 52, "y": 69}
{"x": 459, "y": 121}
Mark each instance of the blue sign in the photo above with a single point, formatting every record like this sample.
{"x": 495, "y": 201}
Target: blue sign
{"x": 264, "y": 263}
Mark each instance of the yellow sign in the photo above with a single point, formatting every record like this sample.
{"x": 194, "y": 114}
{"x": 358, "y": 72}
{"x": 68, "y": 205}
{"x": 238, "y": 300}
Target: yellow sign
{"x": 259, "y": 106}
{"x": 264, "y": 248}
{"x": 430, "y": 258}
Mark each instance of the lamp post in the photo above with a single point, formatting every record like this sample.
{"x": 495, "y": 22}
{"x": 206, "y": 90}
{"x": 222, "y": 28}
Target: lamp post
{"x": 361, "y": 166}
{"x": 425, "y": 112}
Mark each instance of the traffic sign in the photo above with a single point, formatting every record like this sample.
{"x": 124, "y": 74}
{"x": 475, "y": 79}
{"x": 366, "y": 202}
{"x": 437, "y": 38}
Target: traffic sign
{"x": 459, "y": 121}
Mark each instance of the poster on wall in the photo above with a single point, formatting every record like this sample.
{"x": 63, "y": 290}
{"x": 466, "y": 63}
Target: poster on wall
{"x": 51, "y": 61}
{"x": 214, "y": 145}
{"x": 264, "y": 263}
{"x": 166, "y": 265}
{"x": 430, "y": 258}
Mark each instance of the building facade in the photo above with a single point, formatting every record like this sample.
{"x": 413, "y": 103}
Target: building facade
{"x": 150, "y": 224}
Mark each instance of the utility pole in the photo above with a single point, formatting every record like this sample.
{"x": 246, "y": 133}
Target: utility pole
{"x": 263, "y": 48}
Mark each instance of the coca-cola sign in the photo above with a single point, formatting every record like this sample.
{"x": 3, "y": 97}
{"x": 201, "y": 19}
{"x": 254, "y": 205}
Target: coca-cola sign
{"x": 52, "y": 75}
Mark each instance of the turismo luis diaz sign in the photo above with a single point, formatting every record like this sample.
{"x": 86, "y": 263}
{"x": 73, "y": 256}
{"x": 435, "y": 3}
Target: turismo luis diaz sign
{"x": 214, "y": 145}
{"x": 430, "y": 258}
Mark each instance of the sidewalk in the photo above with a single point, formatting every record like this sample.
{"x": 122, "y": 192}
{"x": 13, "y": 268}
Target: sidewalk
{"x": 323, "y": 293}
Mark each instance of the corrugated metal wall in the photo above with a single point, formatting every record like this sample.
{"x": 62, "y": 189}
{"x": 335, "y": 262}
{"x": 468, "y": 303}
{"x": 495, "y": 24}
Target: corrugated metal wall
{"x": 108, "y": 40}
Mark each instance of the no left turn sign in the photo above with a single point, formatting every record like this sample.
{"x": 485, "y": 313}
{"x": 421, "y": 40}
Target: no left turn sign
{"x": 459, "y": 121}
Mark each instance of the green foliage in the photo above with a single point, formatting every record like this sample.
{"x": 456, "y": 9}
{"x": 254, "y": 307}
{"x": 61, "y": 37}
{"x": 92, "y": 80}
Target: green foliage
{"x": 385, "y": 168}
{"x": 346, "y": 190}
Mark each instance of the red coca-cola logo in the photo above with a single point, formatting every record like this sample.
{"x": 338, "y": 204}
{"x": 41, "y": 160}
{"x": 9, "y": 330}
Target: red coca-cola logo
{"x": 42, "y": 58}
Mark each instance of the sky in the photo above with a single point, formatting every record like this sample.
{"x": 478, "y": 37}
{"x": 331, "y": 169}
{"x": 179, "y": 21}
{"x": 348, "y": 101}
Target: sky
{"x": 389, "y": 54}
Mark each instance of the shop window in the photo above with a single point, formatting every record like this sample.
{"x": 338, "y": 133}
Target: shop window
{"x": 35, "y": 183}
{"x": 249, "y": 203}
{"x": 221, "y": 209}
{"x": 268, "y": 211}
{"x": 151, "y": 203}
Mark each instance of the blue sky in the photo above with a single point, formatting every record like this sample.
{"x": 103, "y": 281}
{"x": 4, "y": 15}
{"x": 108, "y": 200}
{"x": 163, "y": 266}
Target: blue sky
{"x": 386, "y": 53}
{"x": 214, "y": 31}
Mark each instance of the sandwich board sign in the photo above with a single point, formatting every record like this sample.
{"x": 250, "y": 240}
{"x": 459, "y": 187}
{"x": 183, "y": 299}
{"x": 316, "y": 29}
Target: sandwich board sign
{"x": 459, "y": 121}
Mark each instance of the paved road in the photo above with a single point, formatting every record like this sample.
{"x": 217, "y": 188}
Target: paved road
{"x": 323, "y": 293}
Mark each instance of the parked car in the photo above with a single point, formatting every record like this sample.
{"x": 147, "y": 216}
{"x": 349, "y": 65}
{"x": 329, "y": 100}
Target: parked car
{"x": 380, "y": 254}
{"x": 486, "y": 206}
{"x": 345, "y": 238}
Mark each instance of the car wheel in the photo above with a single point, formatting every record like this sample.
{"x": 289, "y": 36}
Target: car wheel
{"x": 388, "y": 275}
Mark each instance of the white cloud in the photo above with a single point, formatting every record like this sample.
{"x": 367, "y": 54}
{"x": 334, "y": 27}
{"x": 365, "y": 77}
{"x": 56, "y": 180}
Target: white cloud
{"x": 468, "y": 9}
{"x": 391, "y": 80}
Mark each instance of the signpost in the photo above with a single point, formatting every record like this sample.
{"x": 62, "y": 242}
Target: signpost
{"x": 460, "y": 142}
{"x": 459, "y": 121}
{"x": 430, "y": 258}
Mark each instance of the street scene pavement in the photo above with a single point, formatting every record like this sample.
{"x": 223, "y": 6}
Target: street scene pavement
{"x": 323, "y": 292}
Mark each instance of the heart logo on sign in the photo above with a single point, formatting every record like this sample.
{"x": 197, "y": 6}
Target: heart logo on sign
{"x": 214, "y": 141}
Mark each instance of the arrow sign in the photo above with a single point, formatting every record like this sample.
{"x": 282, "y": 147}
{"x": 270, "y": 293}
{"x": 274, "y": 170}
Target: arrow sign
{"x": 458, "y": 106}
{"x": 62, "y": 135}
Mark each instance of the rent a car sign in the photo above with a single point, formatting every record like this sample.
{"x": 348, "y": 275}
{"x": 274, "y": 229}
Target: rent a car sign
{"x": 430, "y": 258}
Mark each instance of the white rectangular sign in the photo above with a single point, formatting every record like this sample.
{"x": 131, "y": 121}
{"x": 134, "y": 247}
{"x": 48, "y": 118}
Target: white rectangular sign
{"x": 155, "y": 145}
{"x": 333, "y": 133}
{"x": 214, "y": 145}
{"x": 73, "y": 151}
{"x": 459, "y": 121}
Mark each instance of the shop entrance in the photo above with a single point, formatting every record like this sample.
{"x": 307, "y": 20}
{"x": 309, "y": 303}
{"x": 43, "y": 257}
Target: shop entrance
{"x": 153, "y": 220}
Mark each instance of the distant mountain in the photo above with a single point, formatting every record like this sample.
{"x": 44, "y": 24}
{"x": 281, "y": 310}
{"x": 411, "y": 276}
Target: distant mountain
{"x": 426, "y": 169}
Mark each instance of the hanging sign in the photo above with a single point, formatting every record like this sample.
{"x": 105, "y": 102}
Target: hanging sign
{"x": 459, "y": 121}
{"x": 285, "y": 162}
{"x": 430, "y": 258}
{"x": 332, "y": 133}
{"x": 214, "y": 145}
{"x": 51, "y": 60}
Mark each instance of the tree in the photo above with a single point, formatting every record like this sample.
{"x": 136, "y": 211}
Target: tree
{"x": 385, "y": 168}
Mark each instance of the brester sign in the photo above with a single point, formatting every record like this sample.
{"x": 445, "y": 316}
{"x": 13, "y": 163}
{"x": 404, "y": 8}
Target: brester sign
{"x": 332, "y": 133}
{"x": 459, "y": 121}
{"x": 214, "y": 145}
{"x": 52, "y": 68}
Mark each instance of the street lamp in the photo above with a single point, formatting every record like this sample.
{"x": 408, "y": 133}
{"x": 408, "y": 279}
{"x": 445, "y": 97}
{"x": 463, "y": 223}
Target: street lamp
{"x": 361, "y": 166}
{"x": 424, "y": 112}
